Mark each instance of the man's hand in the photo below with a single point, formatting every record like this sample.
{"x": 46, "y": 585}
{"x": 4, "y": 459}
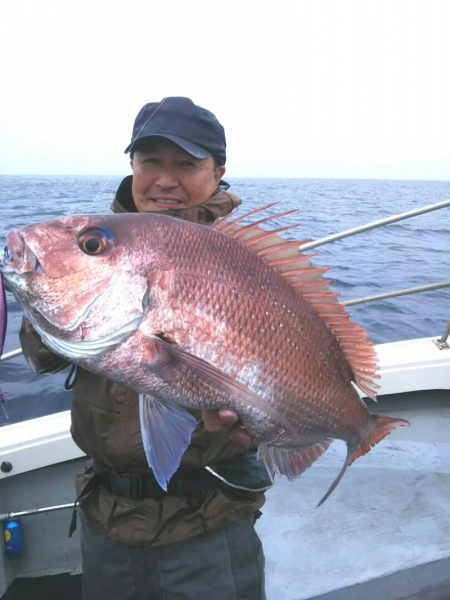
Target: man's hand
{"x": 215, "y": 419}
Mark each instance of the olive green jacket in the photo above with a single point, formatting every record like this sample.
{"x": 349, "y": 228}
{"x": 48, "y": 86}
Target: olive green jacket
{"x": 105, "y": 425}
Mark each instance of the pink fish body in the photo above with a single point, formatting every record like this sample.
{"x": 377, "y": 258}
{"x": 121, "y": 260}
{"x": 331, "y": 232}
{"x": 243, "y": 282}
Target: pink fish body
{"x": 196, "y": 317}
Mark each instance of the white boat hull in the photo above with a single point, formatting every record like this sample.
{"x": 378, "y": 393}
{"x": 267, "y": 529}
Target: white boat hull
{"x": 383, "y": 534}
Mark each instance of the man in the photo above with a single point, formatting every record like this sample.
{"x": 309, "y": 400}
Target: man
{"x": 196, "y": 541}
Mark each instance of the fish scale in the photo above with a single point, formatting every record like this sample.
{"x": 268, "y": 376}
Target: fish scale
{"x": 193, "y": 291}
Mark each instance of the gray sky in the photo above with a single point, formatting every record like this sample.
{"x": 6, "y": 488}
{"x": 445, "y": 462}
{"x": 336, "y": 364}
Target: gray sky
{"x": 304, "y": 88}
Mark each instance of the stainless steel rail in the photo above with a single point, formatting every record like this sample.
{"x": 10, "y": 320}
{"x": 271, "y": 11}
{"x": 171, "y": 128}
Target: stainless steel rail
{"x": 442, "y": 342}
{"x": 368, "y": 226}
{"x": 11, "y": 354}
{"x": 348, "y": 232}
{"x": 35, "y": 511}
{"x": 395, "y": 294}
{"x": 443, "y": 339}
{"x": 387, "y": 295}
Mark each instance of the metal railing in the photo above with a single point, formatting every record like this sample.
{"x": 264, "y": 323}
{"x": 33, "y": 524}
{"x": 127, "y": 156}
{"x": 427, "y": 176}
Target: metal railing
{"x": 374, "y": 224}
{"x": 395, "y": 294}
{"x": 11, "y": 354}
{"x": 349, "y": 232}
{"x": 36, "y": 511}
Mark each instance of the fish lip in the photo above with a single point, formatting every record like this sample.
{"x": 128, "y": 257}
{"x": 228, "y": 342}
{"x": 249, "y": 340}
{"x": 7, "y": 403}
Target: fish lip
{"x": 11, "y": 276}
{"x": 18, "y": 257}
{"x": 12, "y": 280}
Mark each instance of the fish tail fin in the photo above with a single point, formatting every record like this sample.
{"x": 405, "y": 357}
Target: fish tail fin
{"x": 379, "y": 427}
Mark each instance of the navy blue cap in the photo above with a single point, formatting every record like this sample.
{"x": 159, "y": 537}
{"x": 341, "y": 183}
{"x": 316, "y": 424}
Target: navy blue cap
{"x": 195, "y": 129}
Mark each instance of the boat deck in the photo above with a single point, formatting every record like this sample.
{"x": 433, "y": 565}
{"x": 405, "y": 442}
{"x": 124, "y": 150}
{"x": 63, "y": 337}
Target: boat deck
{"x": 384, "y": 533}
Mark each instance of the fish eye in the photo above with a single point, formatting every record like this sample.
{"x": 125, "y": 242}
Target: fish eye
{"x": 93, "y": 242}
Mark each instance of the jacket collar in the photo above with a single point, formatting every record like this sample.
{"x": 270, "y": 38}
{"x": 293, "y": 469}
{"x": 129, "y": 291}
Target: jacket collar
{"x": 221, "y": 203}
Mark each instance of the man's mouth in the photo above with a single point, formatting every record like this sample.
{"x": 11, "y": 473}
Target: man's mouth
{"x": 168, "y": 202}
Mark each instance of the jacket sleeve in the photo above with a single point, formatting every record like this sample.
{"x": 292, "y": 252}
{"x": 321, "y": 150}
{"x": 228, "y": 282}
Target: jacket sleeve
{"x": 38, "y": 356}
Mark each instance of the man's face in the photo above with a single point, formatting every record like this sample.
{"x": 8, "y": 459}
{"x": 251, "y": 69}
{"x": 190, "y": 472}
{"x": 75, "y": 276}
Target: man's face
{"x": 165, "y": 177}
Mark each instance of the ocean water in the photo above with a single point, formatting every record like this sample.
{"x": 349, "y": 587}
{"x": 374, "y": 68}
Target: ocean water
{"x": 401, "y": 255}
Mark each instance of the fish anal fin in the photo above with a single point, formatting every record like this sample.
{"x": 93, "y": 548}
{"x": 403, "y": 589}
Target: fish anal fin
{"x": 291, "y": 462}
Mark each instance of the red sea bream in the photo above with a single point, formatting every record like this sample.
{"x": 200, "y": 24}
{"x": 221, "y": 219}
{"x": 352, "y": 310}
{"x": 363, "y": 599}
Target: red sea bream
{"x": 230, "y": 316}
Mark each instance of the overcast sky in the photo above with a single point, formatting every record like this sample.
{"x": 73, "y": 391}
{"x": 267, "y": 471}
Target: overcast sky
{"x": 304, "y": 88}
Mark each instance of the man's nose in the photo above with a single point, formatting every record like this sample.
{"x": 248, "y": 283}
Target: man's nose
{"x": 166, "y": 179}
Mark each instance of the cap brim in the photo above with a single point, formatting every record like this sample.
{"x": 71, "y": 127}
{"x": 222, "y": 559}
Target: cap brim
{"x": 189, "y": 147}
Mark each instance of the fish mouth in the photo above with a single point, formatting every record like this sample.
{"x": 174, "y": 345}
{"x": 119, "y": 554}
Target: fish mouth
{"x": 18, "y": 258}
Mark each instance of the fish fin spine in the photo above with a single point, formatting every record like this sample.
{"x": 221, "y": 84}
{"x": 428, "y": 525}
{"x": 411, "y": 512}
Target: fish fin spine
{"x": 380, "y": 426}
{"x": 286, "y": 258}
{"x": 229, "y": 221}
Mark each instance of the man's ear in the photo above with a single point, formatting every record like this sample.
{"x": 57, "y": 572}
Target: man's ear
{"x": 220, "y": 171}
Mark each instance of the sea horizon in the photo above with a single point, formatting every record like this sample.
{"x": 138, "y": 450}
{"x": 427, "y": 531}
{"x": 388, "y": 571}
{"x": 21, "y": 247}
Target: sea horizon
{"x": 234, "y": 177}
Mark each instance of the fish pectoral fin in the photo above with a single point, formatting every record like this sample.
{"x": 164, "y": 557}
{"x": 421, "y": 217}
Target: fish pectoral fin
{"x": 291, "y": 462}
{"x": 166, "y": 431}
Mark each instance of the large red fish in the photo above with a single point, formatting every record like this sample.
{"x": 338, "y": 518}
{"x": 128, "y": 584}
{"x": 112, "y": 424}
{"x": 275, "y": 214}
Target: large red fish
{"x": 193, "y": 317}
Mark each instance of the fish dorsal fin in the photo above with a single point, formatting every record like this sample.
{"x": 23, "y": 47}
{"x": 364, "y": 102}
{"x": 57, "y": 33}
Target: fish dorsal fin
{"x": 285, "y": 257}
